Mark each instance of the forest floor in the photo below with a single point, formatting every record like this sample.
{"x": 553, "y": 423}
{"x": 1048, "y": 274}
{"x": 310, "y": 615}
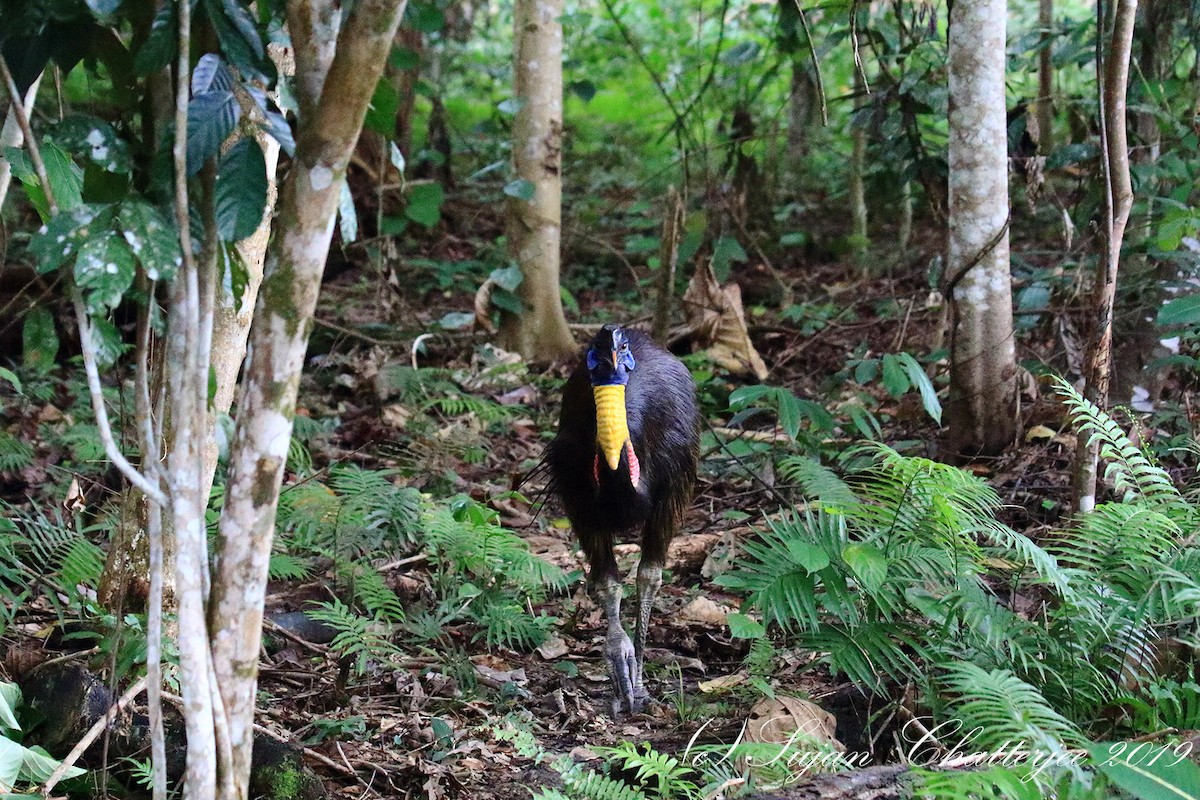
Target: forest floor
{"x": 410, "y": 729}
{"x": 561, "y": 689}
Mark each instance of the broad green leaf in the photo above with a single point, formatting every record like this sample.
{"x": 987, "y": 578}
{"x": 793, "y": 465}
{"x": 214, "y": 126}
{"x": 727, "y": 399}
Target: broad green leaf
{"x": 424, "y": 204}
{"x": 104, "y": 270}
{"x": 385, "y": 103}
{"x": 740, "y": 53}
{"x": 242, "y": 191}
{"x": 810, "y": 556}
{"x": 788, "y": 409}
{"x": 894, "y": 380}
{"x": 424, "y": 16}
{"x": 39, "y": 340}
{"x": 102, "y": 186}
{"x": 1148, "y": 772}
{"x": 521, "y": 189}
{"x": 456, "y": 321}
{"x": 866, "y": 371}
{"x": 404, "y": 58}
{"x": 211, "y": 118}
{"x": 726, "y": 251}
{"x": 867, "y": 563}
{"x": 10, "y": 701}
{"x": 151, "y": 238}
{"x": 66, "y": 178}
{"x": 160, "y": 46}
{"x": 239, "y": 38}
{"x": 744, "y": 627}
{"x": 38, "y": 765}
{"x": 9, "y": 376}
{"x": 208, "y": 75}
{"x": 918, "y": 378}
{"x": 508, "y": 278}
{"x": 12, "y": 758}
{"x": 585, "y": 90}
{"x": 1180, "y": 311}
{"x": 94, "y": 140}
{"x": 59, "y": 240}
{"x": 106, "y": 343}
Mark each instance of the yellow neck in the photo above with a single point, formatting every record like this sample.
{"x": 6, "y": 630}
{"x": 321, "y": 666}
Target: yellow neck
{"x": 612, "y": 427}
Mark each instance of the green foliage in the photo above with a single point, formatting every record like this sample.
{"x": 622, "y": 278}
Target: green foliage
{"x": 889, "y": 575}
{"x": 487, "y": 574}
{"x": 359, "y": 639}
{"x": 19, "y": 764}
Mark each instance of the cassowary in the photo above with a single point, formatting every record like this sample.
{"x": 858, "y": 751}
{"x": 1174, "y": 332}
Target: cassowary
{"x": 625, "y": 457}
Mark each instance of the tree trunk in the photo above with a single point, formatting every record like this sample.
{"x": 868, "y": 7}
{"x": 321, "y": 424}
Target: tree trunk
{"x": 540, "y": 332}
{"x": 982, "y": 412}
{"x": 124, "y": 583}
{"x": 1045, "y": 106}
{"x": 801, "y": 108}
{"x": 283, "y": 319}
{"x": 1112, "y": 79}
{"x": 858, "y": 165}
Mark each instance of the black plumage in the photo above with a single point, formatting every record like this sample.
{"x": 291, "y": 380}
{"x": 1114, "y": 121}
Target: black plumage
{"x": 604, "y": 504}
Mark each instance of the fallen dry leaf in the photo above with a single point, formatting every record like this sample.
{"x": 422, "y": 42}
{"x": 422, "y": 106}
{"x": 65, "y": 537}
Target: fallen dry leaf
{"x": 723, "y": 683}
{"x": 777, "y": 719}
{"x": 553, "y": 648}
{"x": 716, "y": 318}
{"x": 1039, "y": 432}
{"x": 702, "y": 609}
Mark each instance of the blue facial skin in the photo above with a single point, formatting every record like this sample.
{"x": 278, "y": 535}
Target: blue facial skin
{"x": 609, "y": 360}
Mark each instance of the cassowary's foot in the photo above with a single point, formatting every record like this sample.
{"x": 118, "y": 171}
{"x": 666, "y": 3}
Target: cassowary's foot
{"x": 624, "y": 665}
{"x": 629, "y": 695}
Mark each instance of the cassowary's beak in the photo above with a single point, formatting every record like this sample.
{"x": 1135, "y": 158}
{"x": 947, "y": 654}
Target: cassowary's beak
{"x": 615, "y": 357}
{"x": 612, "y": 427}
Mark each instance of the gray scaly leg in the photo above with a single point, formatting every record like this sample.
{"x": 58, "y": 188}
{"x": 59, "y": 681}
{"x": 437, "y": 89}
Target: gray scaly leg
{"x": 622, "y": 659}
{"x": 649, "y": 581}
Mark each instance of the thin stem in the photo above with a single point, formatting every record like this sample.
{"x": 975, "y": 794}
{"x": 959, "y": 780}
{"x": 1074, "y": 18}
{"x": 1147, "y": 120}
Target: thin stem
{"x": 35, "y": 153}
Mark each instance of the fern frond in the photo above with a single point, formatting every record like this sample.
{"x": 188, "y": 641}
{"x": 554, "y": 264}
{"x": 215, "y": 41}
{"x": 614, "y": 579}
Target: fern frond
{"x": 506, "y": 624}
{"x": 817, "y": 481}
{"x": 15, "y": 454}
{"x": 660, "y": 773}
{"x": 994, "y": 783}
{"x": 1125, "y": 543}
{"x": 283, "y": 566}
{"x": 1129, "y": 469}
{"x": 1002, "y": 710}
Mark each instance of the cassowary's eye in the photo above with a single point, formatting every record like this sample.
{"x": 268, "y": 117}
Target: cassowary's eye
{"x": 624, "y": 346}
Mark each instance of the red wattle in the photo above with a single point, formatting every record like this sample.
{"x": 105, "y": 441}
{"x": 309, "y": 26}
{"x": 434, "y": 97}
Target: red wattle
{"x": 635, "y": 469}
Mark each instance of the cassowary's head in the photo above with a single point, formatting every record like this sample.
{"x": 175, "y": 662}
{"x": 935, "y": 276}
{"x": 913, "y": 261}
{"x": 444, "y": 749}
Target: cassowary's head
{"x": 609, "y": 362}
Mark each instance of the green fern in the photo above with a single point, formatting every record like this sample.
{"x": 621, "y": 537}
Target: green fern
{"x": 358, "y": 639}
{"x": 506, "y": 624}
{"x": 1001, "y": 709}
{"x": 284, "y": 566}
{"x": 15, "y": 454}
{"x": 1129, "y": 469}
{"x": 993, "y": 783}
{"x": 817, "y": 481}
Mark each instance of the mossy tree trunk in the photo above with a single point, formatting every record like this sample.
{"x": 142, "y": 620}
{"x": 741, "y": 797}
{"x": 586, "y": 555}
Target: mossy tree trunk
{"x": 982, "y": 412}
{"x": 540, "y": 332}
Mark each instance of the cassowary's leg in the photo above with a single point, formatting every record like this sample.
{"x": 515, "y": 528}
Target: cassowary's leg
{"x": 622, "y": 659}
{"x": 660, "y": 528}
{"x": 649, "y": 581}
{"x": 618, "y": 649}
